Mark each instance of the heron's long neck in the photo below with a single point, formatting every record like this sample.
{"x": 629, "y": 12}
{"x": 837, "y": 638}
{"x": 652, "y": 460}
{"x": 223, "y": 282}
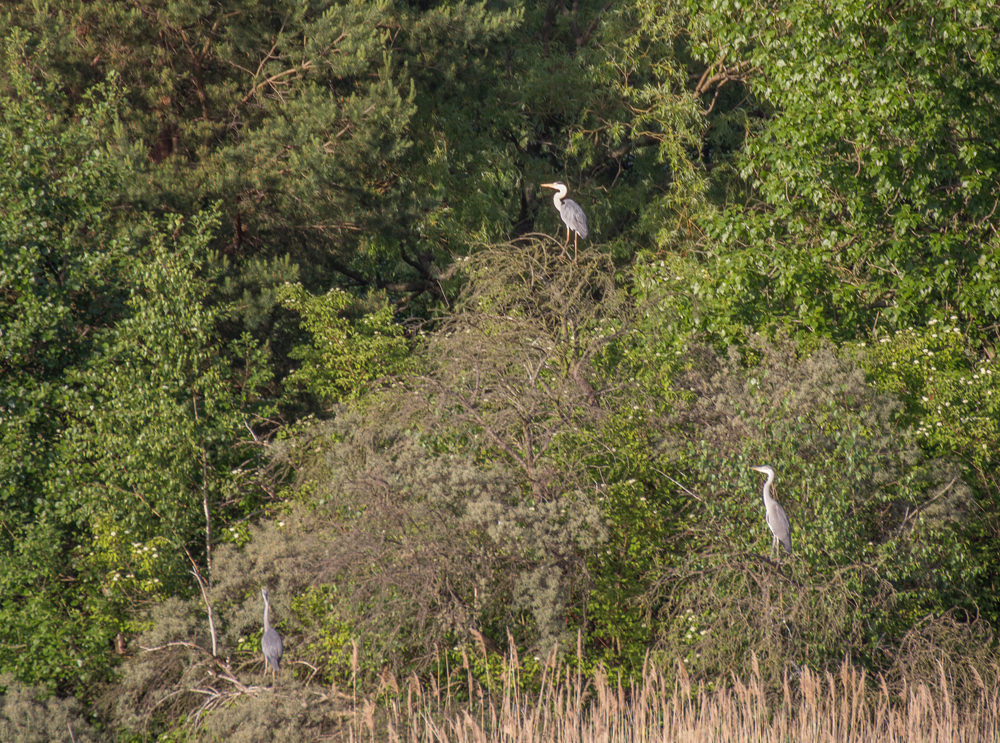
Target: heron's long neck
{"x": 767, "y": 486}
{"x": 557, "y": 199}
{"x": 267, "y": 609}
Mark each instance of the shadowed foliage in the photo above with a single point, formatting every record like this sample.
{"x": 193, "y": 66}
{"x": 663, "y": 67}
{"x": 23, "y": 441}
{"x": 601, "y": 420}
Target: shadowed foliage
{"x": 31, "y": 715}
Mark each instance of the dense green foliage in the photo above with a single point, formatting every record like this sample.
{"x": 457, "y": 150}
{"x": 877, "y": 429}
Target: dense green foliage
{"x": 868, "y": 188}
{"x": 62, "y": 284}
{"x": 278, "y": 306}
{"x": 354, "y": 343}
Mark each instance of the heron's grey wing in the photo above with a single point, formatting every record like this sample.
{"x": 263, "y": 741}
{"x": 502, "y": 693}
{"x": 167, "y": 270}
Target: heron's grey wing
{"x": 778, "y": 522}
{"x": 273, "y": 648}
{"x": 573, "y": 216}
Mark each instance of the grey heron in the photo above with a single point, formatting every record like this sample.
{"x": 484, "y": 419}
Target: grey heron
{"x": 571, "y": 213}
{"x": 775, "y": 514}
{"x": 270, "y": 643}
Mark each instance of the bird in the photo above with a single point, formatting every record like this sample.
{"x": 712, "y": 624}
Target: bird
{"x": 777, "y": 521}
{"x": 571, "y": 213}
{"x": 270, "y": 643}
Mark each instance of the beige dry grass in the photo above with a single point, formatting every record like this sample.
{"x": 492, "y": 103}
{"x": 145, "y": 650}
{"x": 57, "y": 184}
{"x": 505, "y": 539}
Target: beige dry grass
{"x": 848, "y": 707}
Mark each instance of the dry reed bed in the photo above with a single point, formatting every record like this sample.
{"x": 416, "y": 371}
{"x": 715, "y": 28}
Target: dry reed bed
{"x": 811, "y": 708}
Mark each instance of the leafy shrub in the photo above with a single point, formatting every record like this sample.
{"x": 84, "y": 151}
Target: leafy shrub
{"x": 952, "y": 398}
{"x": 355, "y": 342}
{"x": 409, "y": 548}
{"x": 32, "y": 715}
{"x": 867, "y": 563}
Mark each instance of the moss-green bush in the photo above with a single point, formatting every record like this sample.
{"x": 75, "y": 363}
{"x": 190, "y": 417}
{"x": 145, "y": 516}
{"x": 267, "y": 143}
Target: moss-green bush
{"x": 871, "y": 556}
{"x": 32, "y": 715}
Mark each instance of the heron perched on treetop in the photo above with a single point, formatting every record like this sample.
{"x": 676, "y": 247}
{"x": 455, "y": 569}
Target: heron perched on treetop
{"x": 270, "y": 643}
{"x": 571, "y": 213}
{"x": 776, "y": 518}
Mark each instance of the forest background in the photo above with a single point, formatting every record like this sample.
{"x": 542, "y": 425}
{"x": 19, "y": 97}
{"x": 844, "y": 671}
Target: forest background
{"x": 281, "y": 305}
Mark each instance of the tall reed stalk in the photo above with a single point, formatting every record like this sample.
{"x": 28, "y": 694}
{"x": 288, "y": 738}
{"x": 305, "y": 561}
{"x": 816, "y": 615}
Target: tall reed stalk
{"x": 848, "y": 707}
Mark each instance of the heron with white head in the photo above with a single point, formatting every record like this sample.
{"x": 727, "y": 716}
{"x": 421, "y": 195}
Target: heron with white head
{"x": 571, "y": 213}
{"x": 777, "y": 521}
